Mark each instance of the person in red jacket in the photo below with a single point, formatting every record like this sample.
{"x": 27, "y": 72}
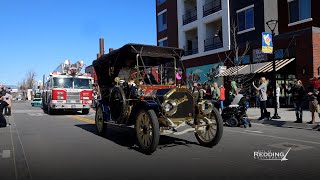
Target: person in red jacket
{"x": 222, "y": 96}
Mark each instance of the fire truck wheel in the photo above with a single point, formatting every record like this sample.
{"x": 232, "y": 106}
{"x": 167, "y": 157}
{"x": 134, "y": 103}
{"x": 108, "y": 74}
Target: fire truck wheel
{"x": 85, "y": 111}
{"x": 50, "y": 110}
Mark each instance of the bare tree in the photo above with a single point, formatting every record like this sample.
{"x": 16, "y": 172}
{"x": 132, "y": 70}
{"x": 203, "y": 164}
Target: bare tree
{"x": 235, "y": 57}
{"x": 30, "y": 79}
{"x": 27, "y": 82}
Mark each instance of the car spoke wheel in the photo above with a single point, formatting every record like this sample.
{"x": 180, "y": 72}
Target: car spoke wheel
{"x": 211, "y": 132}
{"x": 100, "y": 121}
{"x": 119, "y": 108}
{"x": 147, "y": 131}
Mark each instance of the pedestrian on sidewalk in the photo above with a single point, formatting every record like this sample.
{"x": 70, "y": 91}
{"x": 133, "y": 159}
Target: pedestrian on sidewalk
{"x": 262, "y": 96}
{"x": 313, "y": 104}
{"x": 222, "y": 97}
{"x": 8, "y": 99}
{"x": 278, "y": 96}
{"x": 233, "y": 92}
{"x": 215, "y": 93}
{"x": 3, "y": 104}
{"x": 298, "y": 93}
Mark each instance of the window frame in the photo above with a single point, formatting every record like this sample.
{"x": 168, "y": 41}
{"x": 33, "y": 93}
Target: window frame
{"x": 162, "y": 40}
{"x": 164, "y": 26}
{"x": 159, "y": 2}
{"x": 299, "y": 21}
{"x": 244, "y": 10}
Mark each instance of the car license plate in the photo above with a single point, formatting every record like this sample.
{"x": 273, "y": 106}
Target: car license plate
{"x": 73, "y": 106}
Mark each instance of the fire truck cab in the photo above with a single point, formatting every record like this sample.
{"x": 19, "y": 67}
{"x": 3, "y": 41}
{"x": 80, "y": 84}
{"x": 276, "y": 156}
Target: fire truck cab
{"x": 67, "y": 88}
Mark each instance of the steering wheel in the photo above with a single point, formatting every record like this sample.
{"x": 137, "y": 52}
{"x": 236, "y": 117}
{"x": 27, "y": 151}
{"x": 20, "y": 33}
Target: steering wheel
{"x": 137, "y": 77}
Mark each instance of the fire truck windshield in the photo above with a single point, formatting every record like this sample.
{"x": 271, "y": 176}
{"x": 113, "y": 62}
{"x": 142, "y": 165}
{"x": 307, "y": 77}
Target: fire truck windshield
{"x": 82, "y": 83}
{"x": 75, "y": 83}
{"x": 62, "y": 82}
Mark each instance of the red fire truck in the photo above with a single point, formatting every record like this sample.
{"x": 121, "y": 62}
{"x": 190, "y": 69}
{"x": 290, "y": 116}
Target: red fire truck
{"x": 68, "y": 89}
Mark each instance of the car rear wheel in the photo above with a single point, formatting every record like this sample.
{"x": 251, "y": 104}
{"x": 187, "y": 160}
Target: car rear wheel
{"x": 100, "y": 125}
{"x": 147, "y": 131}
{"x": 210, "y": 134}
{"x": 85, "y": 111}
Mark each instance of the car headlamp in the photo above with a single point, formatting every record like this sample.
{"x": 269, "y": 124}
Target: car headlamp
{"x": 140, "y": 92}
{"x": 170, "y": 107}
{"x": 205, "y": 107}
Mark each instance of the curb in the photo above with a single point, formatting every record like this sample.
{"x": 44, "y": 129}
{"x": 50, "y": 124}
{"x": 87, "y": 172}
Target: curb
{"x": 286, "y": 124}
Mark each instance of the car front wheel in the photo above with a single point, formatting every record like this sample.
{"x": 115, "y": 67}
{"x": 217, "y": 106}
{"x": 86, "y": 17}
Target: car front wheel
{"x": 211, "y": 129}
{"x": 147, "y": 131}
{"x": 101, "y": 126}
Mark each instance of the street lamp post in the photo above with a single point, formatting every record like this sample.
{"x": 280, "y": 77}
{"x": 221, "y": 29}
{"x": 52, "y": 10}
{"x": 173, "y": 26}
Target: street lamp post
{"x": 272, "y": 24}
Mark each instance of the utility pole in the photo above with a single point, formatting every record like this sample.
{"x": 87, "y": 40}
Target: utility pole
{"x": 274, "y": 23}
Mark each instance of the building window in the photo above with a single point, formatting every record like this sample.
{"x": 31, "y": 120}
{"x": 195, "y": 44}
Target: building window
{"x": 159, "y": 2}
{"x": 299, "y": 10}
{"x": 242, "y": 60}
{"x": 162, "y": 21}
{"x": 163, "y": 42}
{"x": 245, "y": 18}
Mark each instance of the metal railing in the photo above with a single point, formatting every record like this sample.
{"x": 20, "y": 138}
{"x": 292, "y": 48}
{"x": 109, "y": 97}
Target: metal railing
{"x": 190, "y": 16}
{"x": 211, "y": 7}
{"x": 191, "y": 50}
{"x": 212, "y": 43}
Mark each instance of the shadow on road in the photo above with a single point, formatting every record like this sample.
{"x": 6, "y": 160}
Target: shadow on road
{"x": 62, "y": 112}
{"x": 126, "y": 137}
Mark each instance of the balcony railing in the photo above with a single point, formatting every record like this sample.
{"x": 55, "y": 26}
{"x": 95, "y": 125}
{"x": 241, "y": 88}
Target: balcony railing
{"x": 189, "y": 50}
{"x": 212, "y": 43}
{"x": 211, "y": 7}
{"x": 190, "y": 16}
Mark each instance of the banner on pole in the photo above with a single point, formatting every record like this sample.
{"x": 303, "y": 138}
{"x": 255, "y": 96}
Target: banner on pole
{"x": 267, "y": 44}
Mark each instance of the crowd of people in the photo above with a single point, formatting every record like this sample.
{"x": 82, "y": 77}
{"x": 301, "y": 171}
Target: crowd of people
{"x": 300, "y": 96}
{"x": 5, "y": 105}
{"x": 212, "y": 92}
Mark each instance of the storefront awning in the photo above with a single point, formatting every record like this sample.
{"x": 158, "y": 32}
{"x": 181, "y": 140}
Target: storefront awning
{"x": 255, "y": 68}
{"x": 231, "y": 70}
{"x": 279, "y": 64}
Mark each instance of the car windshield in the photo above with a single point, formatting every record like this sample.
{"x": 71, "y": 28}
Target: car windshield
{"x": 62, "y": 82}
{"x": 82, "y": 83}
{"x": 38, "y": 95}
{"x": 76, "y": 83}
{"x": 163, "y": 74}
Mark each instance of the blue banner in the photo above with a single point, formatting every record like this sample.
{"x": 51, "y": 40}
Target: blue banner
{"x": 267, "y": 44}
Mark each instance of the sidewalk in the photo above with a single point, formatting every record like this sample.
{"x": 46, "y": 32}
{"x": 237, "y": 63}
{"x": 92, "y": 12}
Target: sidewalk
{"x": 288, "y": 117}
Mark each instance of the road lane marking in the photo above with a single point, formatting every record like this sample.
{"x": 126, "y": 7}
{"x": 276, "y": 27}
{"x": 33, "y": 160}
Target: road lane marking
{"x": 276, "y": 137}
{"x": 81, "y": 119}
{"x": 13, "y": 151}
{"x": 5, "y": 154}
{"x": 22, "y": 147}
{"x": 254, "y": 131}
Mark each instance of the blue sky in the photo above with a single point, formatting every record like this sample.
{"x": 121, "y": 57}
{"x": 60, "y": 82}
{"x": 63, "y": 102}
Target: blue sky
{"x": 39, "y": 34}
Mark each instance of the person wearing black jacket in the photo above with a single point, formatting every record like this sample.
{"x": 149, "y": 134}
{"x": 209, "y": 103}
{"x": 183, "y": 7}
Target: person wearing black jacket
{"x": 298, "y": 92}
{"x": 3, "y": 104}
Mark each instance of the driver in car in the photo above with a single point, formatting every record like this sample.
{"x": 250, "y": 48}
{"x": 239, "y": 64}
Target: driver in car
{"x": 126, "y": 71}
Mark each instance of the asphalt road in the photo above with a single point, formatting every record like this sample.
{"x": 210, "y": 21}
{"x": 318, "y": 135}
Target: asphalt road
{"x": 65, "y": 146}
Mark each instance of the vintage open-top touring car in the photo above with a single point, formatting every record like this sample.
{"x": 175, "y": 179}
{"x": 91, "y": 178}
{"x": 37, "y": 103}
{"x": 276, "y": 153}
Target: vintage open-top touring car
{"x": 141, "y": 85}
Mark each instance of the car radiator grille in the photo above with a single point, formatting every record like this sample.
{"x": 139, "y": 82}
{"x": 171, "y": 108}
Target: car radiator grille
{"x": 73, "y": 97}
